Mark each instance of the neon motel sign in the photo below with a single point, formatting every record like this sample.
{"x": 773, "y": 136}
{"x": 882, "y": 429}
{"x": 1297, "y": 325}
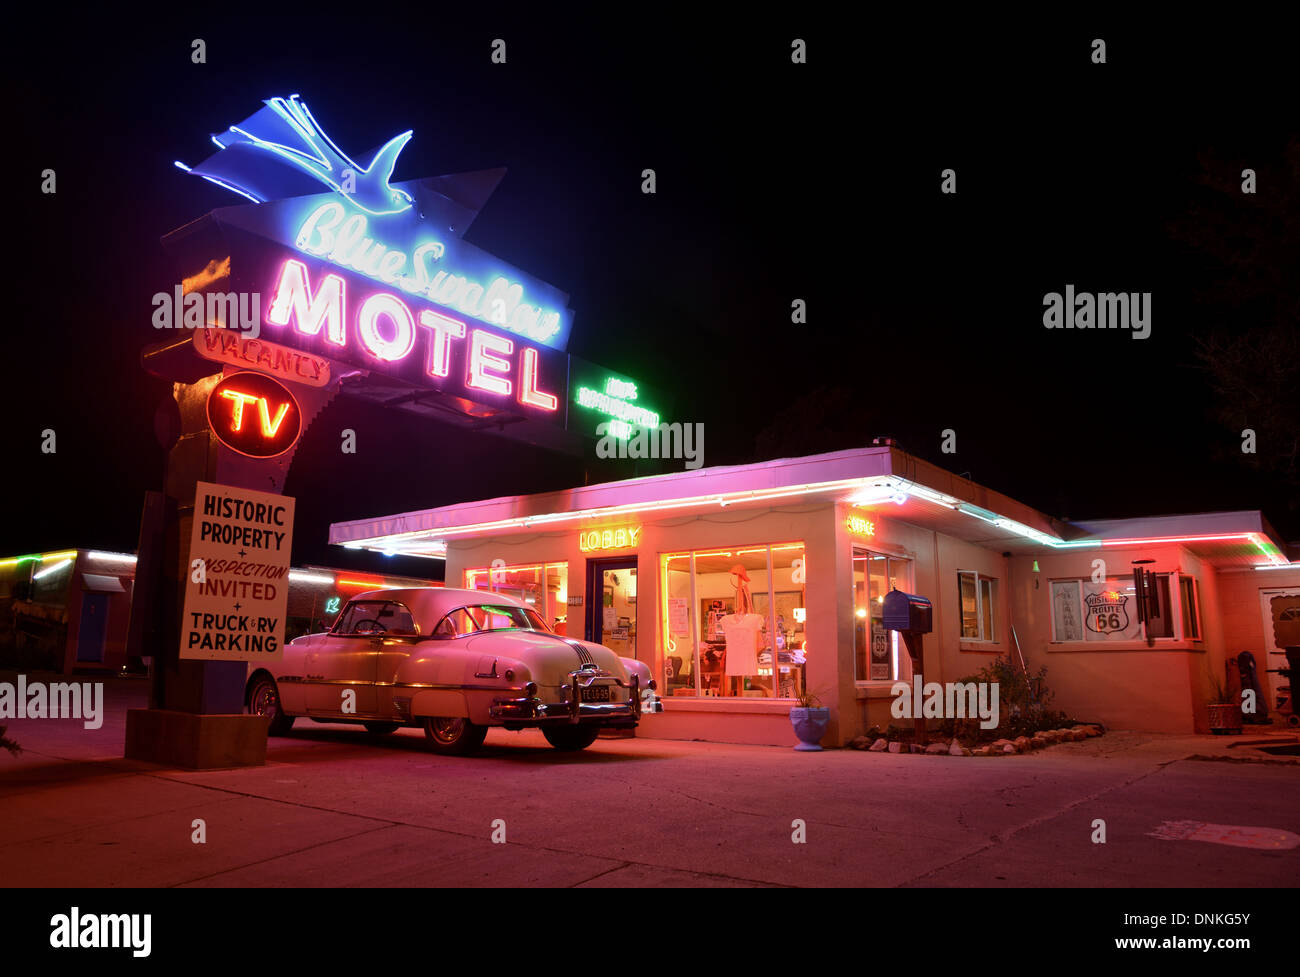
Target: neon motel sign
{"x": 386, "y": 328}
{"x": 329, "y": 232}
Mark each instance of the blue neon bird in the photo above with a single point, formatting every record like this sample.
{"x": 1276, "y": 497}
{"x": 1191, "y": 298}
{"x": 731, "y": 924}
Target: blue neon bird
{"x": 282, "y": 151}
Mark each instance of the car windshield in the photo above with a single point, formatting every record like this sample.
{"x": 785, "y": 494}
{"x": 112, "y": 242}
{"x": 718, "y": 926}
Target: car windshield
{"x": 504, "y": 617}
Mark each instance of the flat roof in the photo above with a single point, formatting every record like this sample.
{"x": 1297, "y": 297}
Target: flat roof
{"x": 882, "y": 475}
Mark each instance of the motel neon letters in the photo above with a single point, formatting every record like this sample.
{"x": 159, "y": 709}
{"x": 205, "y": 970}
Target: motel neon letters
{"x": 622, "y": 538}
{"x": 387, "y": 329}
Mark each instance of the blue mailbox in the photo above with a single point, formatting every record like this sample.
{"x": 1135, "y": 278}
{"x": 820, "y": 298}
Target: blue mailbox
{"x": 910, "y": 613}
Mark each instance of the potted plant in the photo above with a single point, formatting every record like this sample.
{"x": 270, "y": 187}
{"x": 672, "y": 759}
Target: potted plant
{"x": 1224, "y": 708}
{"x": 809, "y": 720}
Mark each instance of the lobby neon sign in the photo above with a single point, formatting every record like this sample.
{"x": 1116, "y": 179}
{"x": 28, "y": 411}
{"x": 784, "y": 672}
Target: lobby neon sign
{"x": 388, "y": 330}
{"x": 622, "y": 538}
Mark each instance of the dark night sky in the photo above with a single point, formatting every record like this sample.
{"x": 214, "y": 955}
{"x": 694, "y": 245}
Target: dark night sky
{"x": 776, "y": 182}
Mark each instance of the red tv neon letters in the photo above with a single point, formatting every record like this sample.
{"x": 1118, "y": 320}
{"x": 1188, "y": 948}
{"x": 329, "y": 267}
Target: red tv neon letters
{"x": 269, "y": 427}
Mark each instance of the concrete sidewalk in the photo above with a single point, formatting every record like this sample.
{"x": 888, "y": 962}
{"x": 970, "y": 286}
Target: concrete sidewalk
{"x": 336, "y": 807}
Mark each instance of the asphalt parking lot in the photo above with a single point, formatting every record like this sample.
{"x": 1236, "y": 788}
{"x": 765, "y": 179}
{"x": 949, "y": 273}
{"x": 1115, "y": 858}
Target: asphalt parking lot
{"x": 334, "y": 806}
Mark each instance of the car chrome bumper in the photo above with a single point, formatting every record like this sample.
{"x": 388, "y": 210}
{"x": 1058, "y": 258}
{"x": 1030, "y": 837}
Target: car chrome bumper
{"x": 573, "y": 709}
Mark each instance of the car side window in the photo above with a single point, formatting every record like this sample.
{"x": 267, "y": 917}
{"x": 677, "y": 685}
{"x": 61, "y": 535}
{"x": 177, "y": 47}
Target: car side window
{"x": 344, "y": 623}
{"x": 396, "y": 619}
{"x": 375, "y": 617}
{"x": 456, "y": 624}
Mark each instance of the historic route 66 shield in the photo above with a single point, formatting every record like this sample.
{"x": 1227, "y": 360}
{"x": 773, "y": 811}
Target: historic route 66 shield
{"x": 1107, "y": 612}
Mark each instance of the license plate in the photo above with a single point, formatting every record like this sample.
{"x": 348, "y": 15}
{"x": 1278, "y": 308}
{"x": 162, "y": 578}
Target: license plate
{"x": 595, "y": 693}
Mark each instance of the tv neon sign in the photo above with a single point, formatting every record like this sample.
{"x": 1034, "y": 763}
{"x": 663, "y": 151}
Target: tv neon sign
{"x": 625, "y": 537}
{"x": 254, "y": 414}
{"x": 330, "y": 233}
{"x": 615, "y": 401}
{"x": 388, "y": 330}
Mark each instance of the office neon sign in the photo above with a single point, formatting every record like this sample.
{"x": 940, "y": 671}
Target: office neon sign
{"x": 384, "y": 328}
{"x": 860, "y": 526}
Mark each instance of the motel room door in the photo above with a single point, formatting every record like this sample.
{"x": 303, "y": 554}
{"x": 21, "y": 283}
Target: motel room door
{"x": 611, "y": 604}
{"x": 92, "y": 635}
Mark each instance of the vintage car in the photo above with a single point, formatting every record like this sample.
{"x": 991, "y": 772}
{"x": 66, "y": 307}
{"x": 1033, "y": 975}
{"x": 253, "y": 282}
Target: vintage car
{"x": 452, "y": 662}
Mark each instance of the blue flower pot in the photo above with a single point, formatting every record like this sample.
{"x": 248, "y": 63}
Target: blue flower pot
{"x": 810, "y": 726}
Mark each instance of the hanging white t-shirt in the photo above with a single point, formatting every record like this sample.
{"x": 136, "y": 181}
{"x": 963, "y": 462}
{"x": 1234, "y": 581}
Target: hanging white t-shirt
{"x": 741, "y": 632}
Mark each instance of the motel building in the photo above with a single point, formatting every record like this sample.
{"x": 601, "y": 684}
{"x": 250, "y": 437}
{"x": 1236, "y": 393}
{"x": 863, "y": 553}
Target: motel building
{"x": 803, "y": 551}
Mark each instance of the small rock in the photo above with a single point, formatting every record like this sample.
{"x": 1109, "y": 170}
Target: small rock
{"x": 895, "y": 747}
{"x": 1095, "y": 730}
{"x": 966, "y": 752}
{"x": 1009, "y": 748}
{"x": 955, "y": 749}
{"x": 984, "y": 751}
{"x": 1077, "y": 735}
{"x": 998, "y": 744}
{"x": 1021, "y": 743}
{"x": 934, "y": 749}
{"x": 860, "y": 743}
{"x": 1038, "y": 743}
{"x": 879, "y": 746}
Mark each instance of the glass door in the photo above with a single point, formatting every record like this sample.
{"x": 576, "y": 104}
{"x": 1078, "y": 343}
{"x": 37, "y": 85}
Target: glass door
{"x": 612, "y": 599}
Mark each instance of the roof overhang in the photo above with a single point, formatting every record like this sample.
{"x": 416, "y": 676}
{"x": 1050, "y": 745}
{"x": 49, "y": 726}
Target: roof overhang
{"x": 883, "y": 480}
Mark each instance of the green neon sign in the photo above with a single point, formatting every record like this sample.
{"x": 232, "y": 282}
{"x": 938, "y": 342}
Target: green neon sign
{"x": 615, "y": 399}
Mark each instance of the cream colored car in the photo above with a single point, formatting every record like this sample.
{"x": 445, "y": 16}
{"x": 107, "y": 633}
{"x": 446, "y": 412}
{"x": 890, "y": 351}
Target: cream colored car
{"x": 454, "y": 663}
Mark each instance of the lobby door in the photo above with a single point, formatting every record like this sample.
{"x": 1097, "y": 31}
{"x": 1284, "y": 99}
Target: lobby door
{"x": 611, "y": 604}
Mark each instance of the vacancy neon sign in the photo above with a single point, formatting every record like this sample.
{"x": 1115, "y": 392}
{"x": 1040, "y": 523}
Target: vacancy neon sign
{"x": 386, "y": 328}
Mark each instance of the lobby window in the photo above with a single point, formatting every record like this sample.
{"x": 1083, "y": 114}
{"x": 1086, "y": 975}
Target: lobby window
{"x": 542, "y": 586}
{"x": 733, "y": 621}
{"x": 978, "y": 596}
{"x": 875, "y": 649}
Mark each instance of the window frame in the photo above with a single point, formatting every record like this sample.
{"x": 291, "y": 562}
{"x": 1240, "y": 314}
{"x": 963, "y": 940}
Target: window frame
{"x": 695, "y": 624}
{"x": 1176, "y": 610}
{"x": 985, "y": 635}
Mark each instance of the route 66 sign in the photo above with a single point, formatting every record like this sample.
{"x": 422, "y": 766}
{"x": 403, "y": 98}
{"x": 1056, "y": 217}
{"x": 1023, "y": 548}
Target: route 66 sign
{"x": 1107, "y": 612}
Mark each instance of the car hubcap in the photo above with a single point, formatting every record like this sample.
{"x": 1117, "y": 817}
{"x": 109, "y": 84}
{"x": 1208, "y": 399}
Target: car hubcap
{"x": 264, "y": 702}
{"x": 447, "y": 730}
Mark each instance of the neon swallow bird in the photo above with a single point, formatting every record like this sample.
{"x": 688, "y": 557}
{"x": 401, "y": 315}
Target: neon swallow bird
{"x": 286, "y": 132}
